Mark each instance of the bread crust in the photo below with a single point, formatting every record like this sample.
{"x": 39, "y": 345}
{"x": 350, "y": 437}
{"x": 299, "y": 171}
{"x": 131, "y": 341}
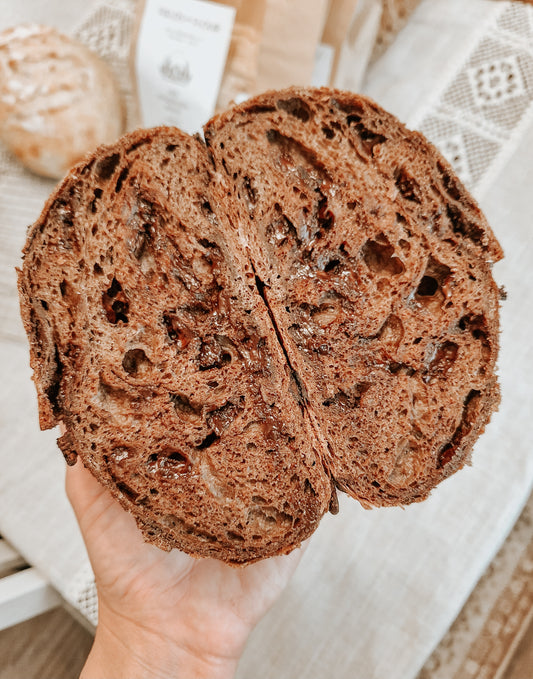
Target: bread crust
{"x": 232, "y": 330}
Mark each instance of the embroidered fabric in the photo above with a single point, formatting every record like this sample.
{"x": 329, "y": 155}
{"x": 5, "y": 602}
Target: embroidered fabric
{"x": 477, "y": 117}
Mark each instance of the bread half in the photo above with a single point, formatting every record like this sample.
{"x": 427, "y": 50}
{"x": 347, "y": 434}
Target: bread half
{"x": 231, "y": 330}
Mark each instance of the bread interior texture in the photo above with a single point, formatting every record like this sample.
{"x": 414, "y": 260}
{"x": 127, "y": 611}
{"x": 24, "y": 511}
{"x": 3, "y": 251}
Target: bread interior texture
{"x": 232, "y": 329}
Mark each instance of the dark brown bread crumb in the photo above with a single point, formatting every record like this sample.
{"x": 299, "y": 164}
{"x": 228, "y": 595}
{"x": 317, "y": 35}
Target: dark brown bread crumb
{"x": 231, "y": 331}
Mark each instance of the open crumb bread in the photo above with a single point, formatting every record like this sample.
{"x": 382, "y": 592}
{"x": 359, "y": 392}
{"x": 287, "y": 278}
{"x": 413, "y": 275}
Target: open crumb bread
{"x": 232, "y": 329}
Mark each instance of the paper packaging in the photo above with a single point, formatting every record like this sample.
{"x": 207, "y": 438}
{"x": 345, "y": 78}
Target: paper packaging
{"x": 338, "y": 21}
{"x": 179, "y": 59}
{"x": 292, "y": 30}
{"x": 241, "y": 73}
{"x": 347, "y": 42}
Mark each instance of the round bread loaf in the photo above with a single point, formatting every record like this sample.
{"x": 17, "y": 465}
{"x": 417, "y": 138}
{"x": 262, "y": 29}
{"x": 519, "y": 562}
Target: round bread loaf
{"x": 232, "y": 330}
{"x": 58, "y": 100}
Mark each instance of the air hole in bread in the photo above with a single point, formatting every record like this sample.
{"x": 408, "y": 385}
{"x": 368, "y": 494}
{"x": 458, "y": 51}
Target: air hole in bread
{"x": 395, "y": 368}
{"x": 115, "y": 303}
{"x": 97, "y": 195}
{"x": 450, "y": 184}
{"x": 407, "y": 185}
{"x": 295, "y": 154}
{"x": 104, "y": 168}
{"x": 353, "y": 119}
{"x": 185, "y": 408}
{"x": 308, "y": 488}
{"x": 171, "y": 147}
{"x": 136, "y": 362}
{"x": 349, "y": 107}
{"x": 52, "y": 390}
{"x": 122, "y": 178}
{"x": 332, "y": 265}
{"x": 98, "y": 269}
{"x": 234, "y": 536}
{"x": 391, "y": 332}
{"x": 112, "y": 396}
{"x": 295, "y": 107}
{"x": 379, "y": 257}
{"x": 169, "y": 462}
{"x": 325, "y": 217}
{"x": 267, "y": 516}
{"x": 127, "y": 491}
{"x": 427, "y": 287}
{"x": 464, "y": 227}
{"x": 369, "y": 138}
{"x": 69, "y": 294}
{"x": 471, "y": 408}
{"x": 250, "y": 193}
{"x": 140, "y": 242}
{"x": 206, "y": 243}
{"x": 404, "y": 245}
{"x": 328, "y": 132}
{"x": 436, "y": 279}
{"x": 138, "y": 144}
{"x": 176, "y": 456}
{"x": 208, "y": 441}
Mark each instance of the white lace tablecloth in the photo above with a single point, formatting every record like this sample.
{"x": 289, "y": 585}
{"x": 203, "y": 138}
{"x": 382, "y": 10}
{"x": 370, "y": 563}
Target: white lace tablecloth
{"x": 376, "y": 590}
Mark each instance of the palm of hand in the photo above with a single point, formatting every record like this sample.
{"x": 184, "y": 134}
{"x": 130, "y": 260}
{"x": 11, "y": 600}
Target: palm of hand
{"x": 159, "y": 591}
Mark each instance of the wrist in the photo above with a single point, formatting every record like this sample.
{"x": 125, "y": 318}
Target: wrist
{"x": 123, "y": 649}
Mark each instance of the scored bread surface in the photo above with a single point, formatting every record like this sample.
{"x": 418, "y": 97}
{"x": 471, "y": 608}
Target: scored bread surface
{"x": 232, "y": 330}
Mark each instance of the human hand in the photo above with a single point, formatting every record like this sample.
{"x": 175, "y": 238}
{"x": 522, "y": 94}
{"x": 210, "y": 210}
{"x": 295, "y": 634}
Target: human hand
{"x": 165, "y": 614}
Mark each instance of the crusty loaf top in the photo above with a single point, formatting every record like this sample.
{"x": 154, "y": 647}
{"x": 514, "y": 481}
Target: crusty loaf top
{"x": 232, "y": 330}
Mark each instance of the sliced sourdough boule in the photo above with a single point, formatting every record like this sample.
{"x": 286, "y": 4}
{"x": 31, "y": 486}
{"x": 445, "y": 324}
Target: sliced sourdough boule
{"x": 151, "y": 348}
{"x": 229, "y": 330}
{"x": 375, "y": 263}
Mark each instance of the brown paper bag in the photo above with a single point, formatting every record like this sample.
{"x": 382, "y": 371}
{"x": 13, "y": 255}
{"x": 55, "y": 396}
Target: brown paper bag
{"x": 292, "y": 30}
{"x": 242, "y": 65}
